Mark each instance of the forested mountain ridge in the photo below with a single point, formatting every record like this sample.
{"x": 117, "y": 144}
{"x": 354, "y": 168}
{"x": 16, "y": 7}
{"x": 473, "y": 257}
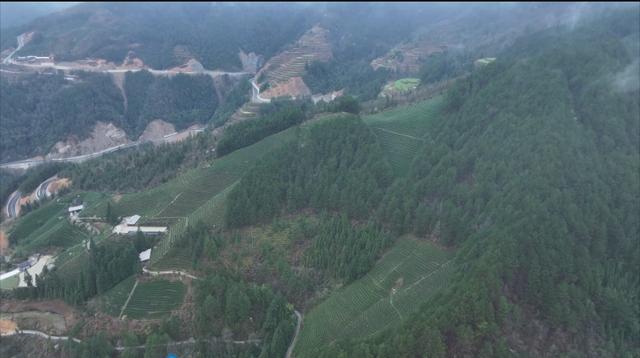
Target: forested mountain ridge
{"x": 233, "y": 37}
{"x": 533, "y": 172}
{"x": 496, "y": 218}
{"x": 163, "y": 36}
{"x": 39, "y": 110}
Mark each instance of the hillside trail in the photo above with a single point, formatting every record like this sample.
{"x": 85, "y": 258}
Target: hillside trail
{"x": 122, "y": 348}
{"x": 126, "y": 303}
{"x": 296, "y": 335}
{"x": 398, "y": 133}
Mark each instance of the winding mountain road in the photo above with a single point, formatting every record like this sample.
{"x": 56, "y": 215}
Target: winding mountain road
{"x": 255, "y": 93}
{"x": 9, "y": 59}
{"x": 42, "y": 191}
{"x": 11, "y": 209}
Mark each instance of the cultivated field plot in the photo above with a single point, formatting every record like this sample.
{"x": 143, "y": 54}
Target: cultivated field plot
{"x": 401, "y": 131}
{"x": 413, "y": 120}
{"x": 400, "y": 150}
{"x": 166, "y": 256}
{"x": 9, "y": 283}
{"x": 186, "y": 193}
{"x": 112, "y": 301}
{"x": 400, "y": 86}
{"x": 155, "y": 299}
{"x": 49, "y": 226}
{"x": 395, "y": 288}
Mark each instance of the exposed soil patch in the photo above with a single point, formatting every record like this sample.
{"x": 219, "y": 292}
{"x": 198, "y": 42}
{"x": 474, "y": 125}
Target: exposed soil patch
{"x": 192, "y": 65}
{"x": 283, "y": 72}
{"x": 53, "y": 317}
{"x": 48, "y": 322}
{"x": 133, "y": 62}
{"x": 118, "y": 80}
{"x": 293, "y": 87}
{"x": 250, "y": 61}
{"x": 156, "y": 130}
{"x": 58, "y": 185}
{"x": 7, "y": 326}
{"x": 4, "y": 242}
{"x": 103, "y": 136}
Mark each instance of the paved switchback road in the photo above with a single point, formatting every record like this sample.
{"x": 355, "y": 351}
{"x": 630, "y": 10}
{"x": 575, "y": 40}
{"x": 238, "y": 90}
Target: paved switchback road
{"x": 11, "y": 209}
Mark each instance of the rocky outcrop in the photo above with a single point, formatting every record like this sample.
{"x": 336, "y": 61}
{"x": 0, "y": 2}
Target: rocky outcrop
{"x": 250, "y": 62}
{"x": 103, "y": 136}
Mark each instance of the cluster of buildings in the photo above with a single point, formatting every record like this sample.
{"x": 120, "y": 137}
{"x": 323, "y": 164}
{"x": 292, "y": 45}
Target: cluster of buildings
{"x": 129, "y": 226}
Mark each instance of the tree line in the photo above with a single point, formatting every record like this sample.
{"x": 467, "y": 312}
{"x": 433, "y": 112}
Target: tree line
{"x": 103, "y": 267}
{"x": 335, "y": 164}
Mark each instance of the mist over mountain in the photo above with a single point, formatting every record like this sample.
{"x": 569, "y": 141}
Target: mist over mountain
{"x": 321, "y": 180}
{"x": 19, "y": 13}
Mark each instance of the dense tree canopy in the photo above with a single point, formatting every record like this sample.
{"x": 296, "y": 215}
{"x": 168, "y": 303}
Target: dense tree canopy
{"x": 335, "y": 164}
{"x": 530, "y": 172}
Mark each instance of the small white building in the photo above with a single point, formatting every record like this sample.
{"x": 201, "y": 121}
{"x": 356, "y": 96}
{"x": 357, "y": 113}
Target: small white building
{"x": 74, "y": 211}
{"x": 145, "y": 255}
{"x": 131, "y": 230}
{"x": 131, "y": 220}
{"x": 128, "y": 226}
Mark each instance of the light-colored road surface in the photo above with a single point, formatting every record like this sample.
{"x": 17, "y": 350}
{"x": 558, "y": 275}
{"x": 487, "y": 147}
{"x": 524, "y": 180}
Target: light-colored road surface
{"x": 44, "y": 335}
{"x": 122, "y": 348}
{"x": 11, "y": 209}
{"x": 400, "y": 134}
{"x": 75, "y": 66}
{"x": 9, "y": 274}
{"x": 126, "y": 303}
{"x": 34, "y": 270}
{"x": 255, "y": 93}
{"x": 295, "y": 337}
{"x": 41, "y": 191}
{"x": 9, "y": 58}
{"x": 169, "y": 272}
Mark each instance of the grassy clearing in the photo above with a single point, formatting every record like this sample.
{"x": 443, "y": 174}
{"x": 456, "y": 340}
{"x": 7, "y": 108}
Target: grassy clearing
{"x": 401, "y": 281}
{"x": 111, "y": 301}
{"x": 401, "y": 131}
{"x": 191, "y": 190}
{"x": 202, "y": 199}
{"x": 48, "y": 225}
{"x": 413, "y": 120}
{"x": 406, "y": 84}
{"x": 9, "y": 283}
{"x": 166, "y": 255}
{"x": 400, "y": 86}
{"x": 155, "y": 299}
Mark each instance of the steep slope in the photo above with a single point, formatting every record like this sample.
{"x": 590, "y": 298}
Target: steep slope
{"x": 282, "y": 73}
{"x": 533, "y": 172}
{"x": 44, "y": 113}
{"x": 479, "y": 28}
{"x": 163, "y": 36}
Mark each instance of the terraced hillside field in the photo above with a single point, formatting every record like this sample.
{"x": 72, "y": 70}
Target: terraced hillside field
{"x": 113, "y": 300}
{"x": 391, "y": 292}
{"x": 189, "y": 191}
{"x": 169, "y": 256}
{"x": 401, "y": 130}
{"x": 155, "y": 299}
{"x": 49, "y": 226}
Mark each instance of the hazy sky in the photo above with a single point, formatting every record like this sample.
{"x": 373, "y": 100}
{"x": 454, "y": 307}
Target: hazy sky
{"x": 18, "y": 13}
